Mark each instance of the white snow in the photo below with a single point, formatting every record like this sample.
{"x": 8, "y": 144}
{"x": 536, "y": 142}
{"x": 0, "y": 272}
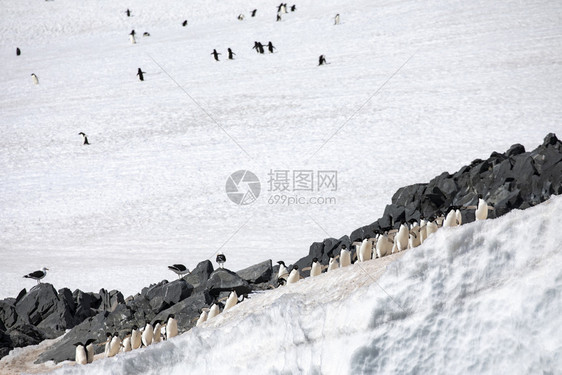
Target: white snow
{"x": 483, "y": 298}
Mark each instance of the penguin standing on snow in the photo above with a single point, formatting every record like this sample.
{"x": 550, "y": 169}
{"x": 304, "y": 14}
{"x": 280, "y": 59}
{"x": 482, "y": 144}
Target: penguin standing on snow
{"x": 213, "y": 311}
{"x": 140, "y": 73}
{"x": 482, "y": 209}
{"x": 90, "y": 350}
{"x": 333, "y": 263}
{"x": 322, "y": 60}
{"x": 128, "y": 13}
{"x": 337, "y": 19}
{"x": 136, "y": 339}
{"x": 283, "y": 271}
{"x": 157, "y": 332}
{"x": 80, "y": 355}
{"x": 231, "y": 301}
{"x": 34, "y": 78}
{"x": 184, "y": 23}
{"x": 127, "y": 344}
{"x": 203, "y": 317}
{"x": 294, "y": 276}
{"x": 316, "y": 268}
{"x": 254, "y": 12}
{"x": 85, "y": 138}
{"x": 240, "y": 17}
{"x": 293, "y": 8}
{"x": 18, "y": 51}
{"x": 278, "y": 19}
{"x": 215, "y": 54}
{"x": 221, "y": 259}
{"x": 114, "y": 345}
{"x": 345, "y": 257}
{"x": 132, "y": 37}
{"x": 270, "y": 47}
{"x": 147, "y": 334}
{"x": 108, "y": 337}
{"x": 171, "y": 327}
{"x": 230, "y": 54}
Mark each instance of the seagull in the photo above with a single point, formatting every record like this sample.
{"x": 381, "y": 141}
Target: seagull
{"x": 179, "y": 269}
{"x": 221, "y": 259}
{"x": 37, "y": 275}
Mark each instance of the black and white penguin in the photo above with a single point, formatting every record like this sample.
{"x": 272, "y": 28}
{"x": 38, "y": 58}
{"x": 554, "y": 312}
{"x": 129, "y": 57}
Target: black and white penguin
{"x": 37, "y": 275}
{"x": 80, "y": 355}
{"x": 85, "y": 138}
{"x": 254, "y": 12}
{"x": 316, "y": 268}
{"x": 18, "y": 51}
{"x": 90, "y": 349}
{"x": 270, "y": 47}
{"x": 114, "y": 345}
{"x": 337, "y": 19}
{"x": 34, "y": 78}
{"x": 294, "y": 276}
{"x": 171, "y": 327}
{"x": 184, "y": 23}
{"x": 140, "y": 73}
{"x": 333, "y": 263}
{"x": 322, "y": 60}
{"x": 128, "y": 13}
{"x": 133, "y": 32}
{"x": 179, "y": 269}
{"x": 146, "y": 33}
{"x": 345, "y": 257}
{"x": 215, "y": 54}
{"x": 293, "y": 8}
{"x": 136, "y": 338}
{"x": 147, "y": 334}
{"x": 132, "y": 37}
{"x": 202, "y": 317}
{"x": 221, "y": 259}
{"x": 401, "y": 238}
{"x": 278, "y": 19}
{"x": 157, "y": 332}
{"x": 230, "y": 54}
{"x": 127, "y": 344}
{"x": 240, "y": 17}
{"x": 431, "y": 226}
{"x": 423, "y": 229}
{"x": 482, "y": 209}
{"x": 283, "y": 271}
{"x": 451, "y": 218}
{"x": 414, "y": 239}
{"x": 365, "y": 251}
{"x": 108, "y": 337}
{"x": 213, "y": 311}
{"x": 231, "y": 301}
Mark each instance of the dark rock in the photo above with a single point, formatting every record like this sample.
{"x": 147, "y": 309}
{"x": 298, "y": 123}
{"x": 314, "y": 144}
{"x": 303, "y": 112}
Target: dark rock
{"x": 187, "y": 311}
{"x": 199, "y": 276}
{"x": 21, "y": 294}
{"x": 66, "y": 295}
{"x": 86, "y": 304}
{"x": 110, "y": 300}
{"x": 25, "y": 334}
{"x": 225, "y": 280}
{"x": 258, "y": 273}
{"x": 8, "y": 314}
{"x": 550, "y": 139}
{"x": 515, "y": 149}
{"x": 36, "y": 305}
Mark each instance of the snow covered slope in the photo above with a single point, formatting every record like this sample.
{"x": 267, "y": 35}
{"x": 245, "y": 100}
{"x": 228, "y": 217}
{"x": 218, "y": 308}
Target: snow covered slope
{"x": 457, "y": 81}
{"x": 483, "y": 298}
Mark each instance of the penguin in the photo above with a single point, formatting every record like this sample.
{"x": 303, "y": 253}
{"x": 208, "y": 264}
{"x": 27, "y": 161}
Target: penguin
{"x": 146, "y": 33}
{"x": 482, "y": 209}
{"x": 270, "y": 47}
{"x": 157, "y": 332}
{"x": 451, "y": 218}
{"x": 133, "y": 33}
{"x": 294, "y": 276}
{"x": 401, "y": 238}
{"x": 384, "y": 244}
{"x": 18, "y": 51}
{"x": 221, "y": 259}
{"x": 423, "y": 229}
{"x": 414, "y": 239}
{"x": 147, "y": 334}
{"x": 80, "y": 355}
{"x": 231, "y": 301}
{"x": 213, "y": 311}
{"x": 278, "y": 19}
{"x": 240, "y": 17}
{"x": 140, "y": 73}
{"x": 322, "y": 60}
{"x": 230, "y": 54}
{"x": 333, "y": 263}
{"x": 439, "y": 219}
{"x": 345, "y": 257}
{"x": 458, "y": 216}
{"x": 128, "y": 12}
{"x": 254, "y": 12}
{"x": 85, "y": 138}
{"x": 365, "y": 251}
{"x": 136, "y": 338}
{"x": 316, "y": 268}
{"x": 431, "y": 226}
{"x": 293, "y": 8}
{"x": 89, "y": 345}
{"x": 127, "y": 344}
{"x": 184, "y": 23}
{"x": 203, "y": 317}
{"x": 132, "y": 38}
{"x": 171, "y": 327}
{"x": 215, "y": 54}
{"x": 108, "y": 337}
{"x": 283, "y": 271}
{"x": 114, "y": 345}
{"x": 337, "y": 19}
{"x": 34, "y": 78}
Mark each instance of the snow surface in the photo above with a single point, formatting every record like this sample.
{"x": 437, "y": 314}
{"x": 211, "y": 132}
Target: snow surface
{"x": 483, "y": 298}
{"x": 413, "y": 89}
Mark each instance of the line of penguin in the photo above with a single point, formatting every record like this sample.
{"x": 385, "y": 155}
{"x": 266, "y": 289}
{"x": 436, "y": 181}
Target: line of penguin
{"x": 281, "y": 9}
{"x": 388, "y": 241}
